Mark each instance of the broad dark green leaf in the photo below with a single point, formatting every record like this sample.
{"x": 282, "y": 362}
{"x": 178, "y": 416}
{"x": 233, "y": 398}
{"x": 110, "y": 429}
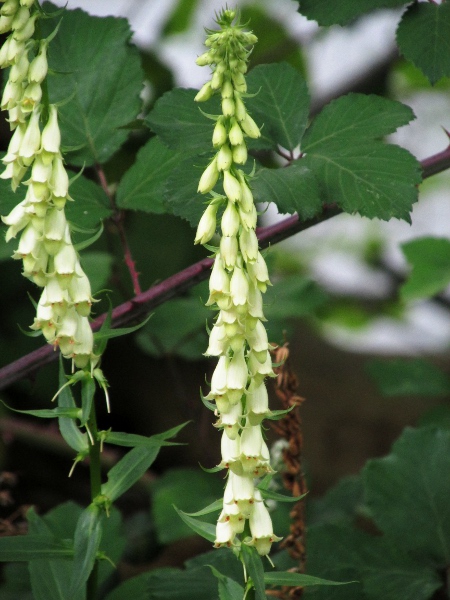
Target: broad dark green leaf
{"x": 50, "y": 580}
{"x": 342, "y": 553}
{"x": 292, "y": 189}
{"x": 281, "y": 104}
{"x": 180, "y": 17}
{"x": 135, "y": 588}
{"x": 175, "y": 584}
{"x": 223, "y": 559}
{"x": 179, "y": 122}
{"x": 16, "y": 582}
{"x": 98, "y": 266}
{"x": 168, "y": 335}
{"x": 342, "y": 503}
{"x": 143, "y": 185}
{"x": 430, "y": 261}
{"x": 180, "y": 194}
{"x": 423, "y": 37}
{"x": 189, "y": 490}
{"x": 408, "y": 377}
{"x": 206, "y": 530}
{"x": 298, "y": 579}
{"x": 255, "y": 570}
{"x": 28, "y": 547}
{"x": 88, "y": 534}
{"x": 100, "y": 71}
{"x": 68, "y": 428}
{"x": 353, "y": 167}
{"x": 128, "y": 471}
{"x": 410, "y": 486}
{"x": 90, "y": 205}
{"x": 341, "y": 12}
{"x": 229, "y": 589}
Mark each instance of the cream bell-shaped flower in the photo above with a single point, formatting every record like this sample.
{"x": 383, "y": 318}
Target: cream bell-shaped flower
{"x": 219, "y": 282}
{"x": 209, "y": 177}
{"x": 45, "y": 318}
{"x": 31, "y": 140}
{"x": 219, "y": 376}
{"x": 257, "y": 402}
{"x": 84, "y": 342}
{"x": 255, "y": 456}
{"x": 230, "y": 451}
{"x": 17, "y": 219}
{"x": 55, "y": 229}
{"x": 39, "y": 65}
{"x": 231, "y": 187}
{"x": 80, "y": 292}
{"x": 236, "y": 520}
{"x": 237, "y": 375}
{"x": 259, "y": 371}
{"x": 239, "y": 287}
{"x": 218, "y": 341}
{"x": 51, "y": 135}
{"x": 225, "y": 533}
{"x": 229, "y": 251}
{"x": 59, "y": 181}
{"x": 230, "y": 221}
{"x": 248, "y": 244}
{"x": 207, "y": 225}
{"x": 56, "y": 297}
{"x": 261, "y": 527}
{"x": 240, "y": 490}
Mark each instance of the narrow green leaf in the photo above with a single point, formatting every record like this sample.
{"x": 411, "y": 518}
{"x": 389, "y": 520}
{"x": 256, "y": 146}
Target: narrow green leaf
{"x": 255, "y": 570}
{"x": 132, "y": 440}
{"x": 100, "y": 71}
{"x": 48, "y": 413}
{"x": 113, "y": 333}
{"x": 229, "y": 589}
{"x": 213, "y": 507}
{"x": 203, "y": 529}
{"x": 429, "y": 258}
{"x": 69, "y": 430}
{"x": 281, "y": 104}
{"x": 342, "y": 12}
{"x": 423, "y": 37}
{"x": 128, "y": 471}
{"x": 291, "y": 189}
{"x": 281, "y": 497}
{"x": 143, "y": 185}
{"x": 298, "y": 579}
{"x": 86, "y": 544}
{"x": 353, "y": 167}
{"x": 87, "y": 396}
{"x": 28, "y": 547}
{"x": 408, "y": 377}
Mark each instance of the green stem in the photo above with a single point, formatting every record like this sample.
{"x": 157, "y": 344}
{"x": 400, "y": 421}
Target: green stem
{"x": 96, "y": 483}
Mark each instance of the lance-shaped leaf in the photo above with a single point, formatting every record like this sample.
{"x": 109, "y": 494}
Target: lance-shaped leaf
{"x": 142, "y": 187}
{"x": 213, "y": 507}
{"x": 48, "y": 413}
{"x": 298, "y": 579}
{"x": 255, "y": 570}
{"x": 411, "y": 485}
{"x": 101, "y": 73}
{"x": 229, "y": 589}
{"x": 353, "y": 167}
{"x": 206, "y": 530}
{"x": 32, "y": 546}
{"x": 423, "y": 37}
{"x": 280, "y": 106}
{"x": 87, "y": 538}
{"x": 68, "y": 428}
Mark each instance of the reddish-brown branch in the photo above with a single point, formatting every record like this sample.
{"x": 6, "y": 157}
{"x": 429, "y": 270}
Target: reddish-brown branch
{"x": 118, "y": 216}
{"x": 143, "y": 303}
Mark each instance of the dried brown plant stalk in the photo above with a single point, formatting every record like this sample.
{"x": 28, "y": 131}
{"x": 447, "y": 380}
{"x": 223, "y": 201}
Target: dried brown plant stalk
{"x": 290, "y": 429}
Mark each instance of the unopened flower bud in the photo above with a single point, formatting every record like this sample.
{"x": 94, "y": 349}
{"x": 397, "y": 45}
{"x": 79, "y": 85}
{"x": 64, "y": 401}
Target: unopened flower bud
{"x": 239, "y": 287}
{"x": 54, "y": 230}
{"x": 207, "y": 225}
{"x": 19, "y": 69}
{"x": 10, "y": 7}
{"x": 20, "y": 18}
{"x": 230, "y": 220}
{"x": 227, "y": 89}
{"x": 11, "y": 94}
{"x": 84, "y": 342}
{"x": 250, "y": 127}
{"x": 229, "y": 251}
{"x": 25, "y": 32}
{"x": 248, "y": 243}
{"x": 219, "y": 134}
{"x": 216, "y": 80}
{"x": 239, "y": 82}
{"x": 39, "y": 65}
{"x": 231, "y": 187}
{"x": 205, "y": 59}
{"x": 240, "y": 154}
{"x": 204, "y": 93}
{"x": 209, "y": 177}
{"x": 235, "y": 134}
{"x": 228, "y": 107}
{"x": 27, "y": 3}
{"x": 31, "y": 140}
{"x": 240, "y": 108}
{"x": 219, "y": 376}
{"x": 224, "y": 158}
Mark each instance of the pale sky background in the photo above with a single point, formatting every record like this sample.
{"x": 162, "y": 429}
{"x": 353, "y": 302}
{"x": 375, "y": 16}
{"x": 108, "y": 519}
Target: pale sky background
{"x": 335, "y": 56}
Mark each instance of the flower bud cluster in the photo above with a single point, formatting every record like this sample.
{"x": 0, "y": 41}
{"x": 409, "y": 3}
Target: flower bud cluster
{"x": 45, "y": 246}
{"x": 238, "y": 279}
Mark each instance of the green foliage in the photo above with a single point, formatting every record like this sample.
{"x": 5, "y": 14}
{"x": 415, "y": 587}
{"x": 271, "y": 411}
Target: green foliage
{"x": 423, "y": 37}
{"x": 180, "y": 17}
{"x": 87, "y": 537}
{"x": 99, "y": 71}
{"x": 354, "y": 168}
{"x": 430, "y": 260}
{"x": 341, "y": 12}
{"x": 402, "y": 377}
{"x": 255, "y": 570}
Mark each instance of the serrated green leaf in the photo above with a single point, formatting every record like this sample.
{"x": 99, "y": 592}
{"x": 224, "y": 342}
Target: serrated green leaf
{"x": 88, "y": 534}
{"x": 177, "y": 120}
{"x": 423, "y": 38}
{"x": 378, "y": 566}
{"x": 410, "y": 485}
{"x": 100, "y": 71}
{"x": 354, "y": 168}
{"x": 291, "y": 189}
{"x": 408, "y": 377}
{"x": 281, "y": 104}
{"x": 205, "y": 530}
{"x": 341, "y": 12}
{"x": 298, "y": 579}
{"x": 255, "y": 570}
{"x": 128, "y": 471}
{"x": 28, "y": 547}
{"x": 143, "y": 185}
{"x": 90, "y": 205}
{"x": 430, "y": 261}
{"x": 180, "y": 193}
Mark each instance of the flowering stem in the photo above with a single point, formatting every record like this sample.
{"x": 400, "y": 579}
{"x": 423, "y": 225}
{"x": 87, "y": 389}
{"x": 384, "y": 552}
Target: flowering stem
{"x": 118, "y": 221}
{"x": 96, "y": 482}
